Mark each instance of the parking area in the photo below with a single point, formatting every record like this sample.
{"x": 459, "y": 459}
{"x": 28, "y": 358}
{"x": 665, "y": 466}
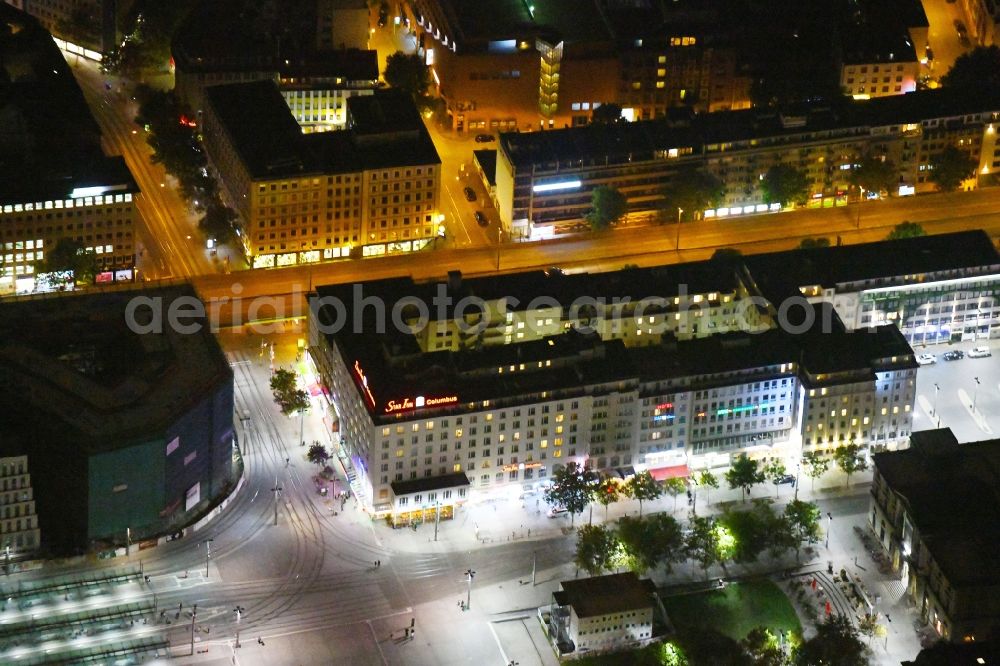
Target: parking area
{"x": 961, "y": 394}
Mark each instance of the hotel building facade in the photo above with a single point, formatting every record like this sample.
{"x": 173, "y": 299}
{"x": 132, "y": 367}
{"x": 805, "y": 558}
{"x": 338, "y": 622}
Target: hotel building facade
{"x": 713, "y": 366}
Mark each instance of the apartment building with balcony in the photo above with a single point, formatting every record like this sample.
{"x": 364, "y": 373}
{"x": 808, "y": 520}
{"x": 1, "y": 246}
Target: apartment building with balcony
{"x": 545, "y": 179}
{"x": 369, "y": 190}
{"x": 935, "y": 510}
{"x": 58, "y": 183}
{"x": 505, "y": 380}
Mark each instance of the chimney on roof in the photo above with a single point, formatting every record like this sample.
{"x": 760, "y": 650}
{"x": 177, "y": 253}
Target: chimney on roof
{"x": 454, "y": 281}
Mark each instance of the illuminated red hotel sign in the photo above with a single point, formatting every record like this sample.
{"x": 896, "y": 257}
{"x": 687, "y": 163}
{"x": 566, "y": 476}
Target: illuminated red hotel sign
{"x": 403, "y": 404}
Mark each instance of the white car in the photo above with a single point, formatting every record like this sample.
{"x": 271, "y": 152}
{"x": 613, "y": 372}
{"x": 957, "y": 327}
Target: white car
{"x": 980, "y": 352}
{"x": 926, "y": 359}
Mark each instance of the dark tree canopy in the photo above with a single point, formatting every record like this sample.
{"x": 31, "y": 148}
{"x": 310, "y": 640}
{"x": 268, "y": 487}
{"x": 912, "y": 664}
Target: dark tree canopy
{"x": 836, "y": 643}
{"x": 906, "y": 230}
{"x": 692, "y": 191}
{"x": 70, "y": 255}
{"x": 608, "y": 205}
{"x": 608, "y": 113}
{"x": 407, "y": 72}
{"x": 875, "y": 174}
{"x": 950, "y": 167}
{"x": 978, "y": 69}
{"x": 784, "y": 184}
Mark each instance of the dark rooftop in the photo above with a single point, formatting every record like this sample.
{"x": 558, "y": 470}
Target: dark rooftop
{"x": 348, "y": 64}
{"x": 779, "y": 275}
{"x": 639, "y": 140}
{"x": 976, "y": 653}
{"x": 72, "y": 362}
{"x": 953, "y": 497}
{"x": 443, "y": 482}
{"x": 49, "y": 142}
{"x": 396, "y": 372}
{"x": 272, "y": 145}
{"x": 487, "y": 161}
{"x": 602, "y": 595}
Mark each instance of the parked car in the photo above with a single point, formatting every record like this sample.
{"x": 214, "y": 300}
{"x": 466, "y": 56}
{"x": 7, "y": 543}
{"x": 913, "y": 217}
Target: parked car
{"x": 485, "y": 138}
{"x": 926, "y": 359}
{"x": 557, "y": 511}
{"x": 953, "y": 355}
{"x": 470, "y": 194}
{"x": 980, "y": 352}
{"x": 481, "y": 219}
{"x": 787, "y": 478}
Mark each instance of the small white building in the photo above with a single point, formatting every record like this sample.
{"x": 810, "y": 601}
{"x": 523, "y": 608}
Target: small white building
{"x": 602, "y": 614}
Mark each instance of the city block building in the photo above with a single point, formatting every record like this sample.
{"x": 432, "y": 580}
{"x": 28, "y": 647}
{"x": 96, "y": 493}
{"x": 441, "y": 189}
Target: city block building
{"x": 133, "y": 419}
{"x": 19, "y": 531}
{"x": 602, "y": 613}
{"x": 935, "y": 509}
{"x": 545, "y": 179}
{"x": 369, "y": 190}
{"x": 936, "y": 289}
{"x": 315, "y": 81}
{"x": 57, "y": 183}
{"x": 88, "y": 28}
{"x": 672, "y": 369}
{"x": 518, "y": 66}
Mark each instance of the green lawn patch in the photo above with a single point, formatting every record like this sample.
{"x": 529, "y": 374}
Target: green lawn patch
{"x": 735, "y": 610}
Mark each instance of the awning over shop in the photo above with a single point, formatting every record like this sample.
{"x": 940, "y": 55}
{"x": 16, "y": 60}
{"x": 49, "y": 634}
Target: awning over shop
{"x": 675, "y": 472}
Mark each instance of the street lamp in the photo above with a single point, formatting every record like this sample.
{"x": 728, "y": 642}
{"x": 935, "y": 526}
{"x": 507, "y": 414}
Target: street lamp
{"x": 468, "y": 597}
{"x": 829, "y": 526}
{"x": 975, "y": 395}
{"x": 677, "y": 243}
{"x": 934, "y": 412}
{"x": 239, "y": 610}
{"x": 277, "y": 493}
{"x": 208, "y": 553}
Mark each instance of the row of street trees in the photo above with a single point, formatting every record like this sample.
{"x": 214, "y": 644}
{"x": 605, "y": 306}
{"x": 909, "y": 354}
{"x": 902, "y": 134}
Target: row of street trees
{"x": 642, "y": 544}
{"x": 575, "y": 488}
{"x": 176, "y": 145}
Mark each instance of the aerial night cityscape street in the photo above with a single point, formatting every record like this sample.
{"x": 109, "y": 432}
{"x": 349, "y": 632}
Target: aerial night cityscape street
{"x": 445, "y": 332}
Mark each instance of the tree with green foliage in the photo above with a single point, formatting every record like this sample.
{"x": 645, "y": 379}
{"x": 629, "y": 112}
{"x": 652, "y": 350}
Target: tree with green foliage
{"x": 950, "y": 167}
{"x": 693, "y": 191}
{"x": 674, "y": 486}
{"x": 701, "y": 543}
{"x": 643, "y": 487}
{"x": 218, "y": 222}
{"x": 812, "y": 243}
{"x": 784, "y": 184}
{"x": 744, "y": 473}
{"x": 975, "y": 70}
{"x": 803, "y": 520}
{"x": 815, "y": 465}
{"x": 607, "y": 492}
{"x": 708, "y": 481}
{"x": 290, "y": 398}
{"x": 407, "y": 72}
{"x": 762, "y": 648}
{"x": 595, "y": 548}
{"x": 317, "y": 454}
{"x": 836, "y": 643}
{"x": 651, "y": 541}
{"x": 775, "y": 471}
{"x": 608, "y": 113}
{"x": 850, "y": 458}
{"x": 607, "y": 206}
{"x": 906, "y": 230}
{"x": 875, "y": 174}
{"x": 70, "y": 255}
{"x": 571, "y": 488}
